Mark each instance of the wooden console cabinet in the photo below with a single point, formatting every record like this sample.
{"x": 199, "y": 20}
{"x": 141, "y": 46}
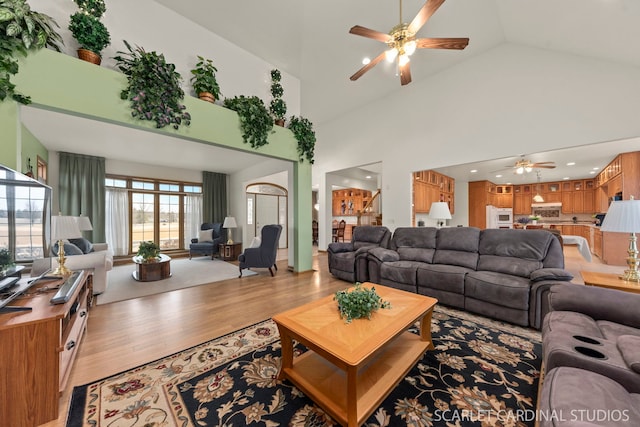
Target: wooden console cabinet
{"x": 37, "y": 350}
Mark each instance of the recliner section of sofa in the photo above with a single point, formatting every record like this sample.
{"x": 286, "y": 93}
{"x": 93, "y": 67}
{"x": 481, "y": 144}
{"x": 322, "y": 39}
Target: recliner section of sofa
{"x": 503, "y": 274}
{"x": 348, "y": 260}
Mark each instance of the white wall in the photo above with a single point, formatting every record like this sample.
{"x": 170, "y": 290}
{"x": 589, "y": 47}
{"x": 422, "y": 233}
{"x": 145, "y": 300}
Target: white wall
{"x": 498, "y": 104}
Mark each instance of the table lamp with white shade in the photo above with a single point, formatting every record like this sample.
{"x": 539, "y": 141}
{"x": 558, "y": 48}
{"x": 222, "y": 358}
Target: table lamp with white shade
{"x": 63, "y": 228}
{"x": 440, "y": 212}
{"x": 623, "y": 216}
{"x": 230, "y": 223}
{"x": 84, "y": 223}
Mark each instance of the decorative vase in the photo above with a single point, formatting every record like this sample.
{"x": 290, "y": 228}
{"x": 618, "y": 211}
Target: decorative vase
{"x": 207, "y": 96}
{"x": 279, "y": 122}
{"x": 534, "y": 221}
{"x": 87, "y": 55}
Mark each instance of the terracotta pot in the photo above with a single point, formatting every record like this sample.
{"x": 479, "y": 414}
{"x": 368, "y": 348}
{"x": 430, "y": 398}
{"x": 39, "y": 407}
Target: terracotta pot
{"x": 207, "y": 96}
{"x": 280, "y": 122}
{"x": 87, "y": 55}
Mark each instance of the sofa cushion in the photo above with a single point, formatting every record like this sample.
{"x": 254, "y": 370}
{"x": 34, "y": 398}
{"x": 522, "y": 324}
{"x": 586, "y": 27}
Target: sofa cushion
{"x": 83, "y": 244}
{"x": 344, "y": 261}
{"x": 69, "y": 249}
{"x": 410, "y": 237}
{"x": 629, "y": 346}
{"x": 441, "y": 276}
{"x": 573, "y": 397}
{"x": 524, "y": 244}
{"x": 370, "y": 236}
{"x": 457, "y": 246}
{"x": 612, "y": 330}
{"x": 498, "y": 288}
{"x": 568, "y": 323}
{"x": 508, "y": 265}
{"x": 400, "y": 271}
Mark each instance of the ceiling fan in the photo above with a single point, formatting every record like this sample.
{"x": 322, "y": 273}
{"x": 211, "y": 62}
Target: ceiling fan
{"x": 523, "y": 166}
{"x": 402, "y": 41}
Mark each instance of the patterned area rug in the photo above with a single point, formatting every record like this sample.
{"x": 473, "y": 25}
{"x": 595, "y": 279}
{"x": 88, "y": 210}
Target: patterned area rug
{"x": 482, "y": 373}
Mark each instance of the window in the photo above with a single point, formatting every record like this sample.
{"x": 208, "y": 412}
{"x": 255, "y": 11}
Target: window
{"x": 161, "y": 211}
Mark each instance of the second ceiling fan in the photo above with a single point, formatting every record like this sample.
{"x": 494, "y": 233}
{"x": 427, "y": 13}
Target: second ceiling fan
{"x": 402, "y": 41}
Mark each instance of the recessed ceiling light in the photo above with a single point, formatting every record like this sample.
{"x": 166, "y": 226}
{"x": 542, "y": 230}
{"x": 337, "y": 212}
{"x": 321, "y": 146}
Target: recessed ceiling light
{"x": 473, "y": 170}
{"x": 571, "y": 163}
{"x": 592, "y": 172}
{"x": 565, "y": 178}
{"x": 365, "y": 61}
{"x": 368, "y": 176}
{"x": 498, "y": 176}
{"x": 596, "y": 168}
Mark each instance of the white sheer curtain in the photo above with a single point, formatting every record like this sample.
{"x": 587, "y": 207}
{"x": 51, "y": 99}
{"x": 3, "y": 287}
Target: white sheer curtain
{"x": 117, "y": 220}
{"x": 192, "y": 217}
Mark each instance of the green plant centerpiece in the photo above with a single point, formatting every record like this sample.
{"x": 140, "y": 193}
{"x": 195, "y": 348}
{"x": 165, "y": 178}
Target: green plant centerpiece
{"x": 277, "y": 106}
{"x": 22, "y": 30}
{"x": 359, "y": 303}
{"x": 6, "y": 260}
{"x": 149, "y": 251}
{"x": 255, "y": 121}
{"x": 303, "y": 131}
{"x": 154, "y": 87}
{"x": 203, "y": 80}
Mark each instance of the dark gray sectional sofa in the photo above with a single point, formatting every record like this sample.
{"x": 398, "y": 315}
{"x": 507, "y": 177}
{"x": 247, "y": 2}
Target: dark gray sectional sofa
{"x": 499, "y": 273}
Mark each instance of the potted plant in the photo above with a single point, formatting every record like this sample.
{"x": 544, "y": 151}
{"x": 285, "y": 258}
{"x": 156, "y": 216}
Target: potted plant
{"x": 154, "y": 87}
{"x": 91, "y": 35}
{"x": 534, "y": 219}
{"x": 277, "y": 107}
{"x": 204, "y": 80}
{"x": 255, "y": 120}
{"x": 359, "y": 303}
{"x": 6, "y": 260}
{"x": 523, "y": 220}
{"x": 303, "y": 131}
{"x": 23, "y": 30}
{"x": 148, "y": 250}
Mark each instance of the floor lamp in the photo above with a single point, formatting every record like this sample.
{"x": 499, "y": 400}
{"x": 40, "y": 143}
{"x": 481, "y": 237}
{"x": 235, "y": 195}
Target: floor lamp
{"x": 623, "y": 216}
{"x": 440, "y": 212}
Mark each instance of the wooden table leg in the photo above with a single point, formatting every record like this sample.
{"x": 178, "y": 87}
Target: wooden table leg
{"x": 425, "y": 328}
{"x": 352, "y": 396}
{"x": 286, "y": 345}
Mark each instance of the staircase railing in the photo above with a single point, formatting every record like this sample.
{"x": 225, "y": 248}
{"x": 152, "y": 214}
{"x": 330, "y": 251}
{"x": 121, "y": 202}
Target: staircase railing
{"x": 367, "y": 216}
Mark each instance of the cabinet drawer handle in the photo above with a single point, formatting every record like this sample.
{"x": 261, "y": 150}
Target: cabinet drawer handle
{"x": 70, "y": 345}
{"x": 83, "y": 313}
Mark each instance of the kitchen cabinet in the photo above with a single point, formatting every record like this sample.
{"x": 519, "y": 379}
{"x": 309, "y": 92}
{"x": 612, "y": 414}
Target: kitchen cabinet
{"x": 349, "y": 201}
{"x": 430, "y": 186}
{"x": 621, "y": 177}
{"x": 522, "y": 199}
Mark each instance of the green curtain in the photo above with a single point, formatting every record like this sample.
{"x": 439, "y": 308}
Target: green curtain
{"x": 214, "y": 196}
{"x": 81, "y": 191}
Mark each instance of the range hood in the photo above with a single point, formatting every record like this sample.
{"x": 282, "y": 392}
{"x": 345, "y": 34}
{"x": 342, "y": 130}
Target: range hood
{"x": 547, "y": 205}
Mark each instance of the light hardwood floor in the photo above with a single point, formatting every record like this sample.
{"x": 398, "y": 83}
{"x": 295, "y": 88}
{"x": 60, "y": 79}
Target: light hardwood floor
{"x": 126, "y": 334}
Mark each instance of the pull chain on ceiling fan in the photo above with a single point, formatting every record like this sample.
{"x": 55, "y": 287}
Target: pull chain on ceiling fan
{"x": 402, "y": 41}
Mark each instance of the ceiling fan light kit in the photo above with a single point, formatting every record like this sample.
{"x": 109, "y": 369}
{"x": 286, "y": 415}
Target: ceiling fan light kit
{"x": 402, "y": 41}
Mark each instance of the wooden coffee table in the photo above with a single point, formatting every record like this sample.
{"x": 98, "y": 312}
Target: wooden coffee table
{"x": 367, "y": 357}
{"x": 148, "y": 271}
{"x": 611, "y": 281}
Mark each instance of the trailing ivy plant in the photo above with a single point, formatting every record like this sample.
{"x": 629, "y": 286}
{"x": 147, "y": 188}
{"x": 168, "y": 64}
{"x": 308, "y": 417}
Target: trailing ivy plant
{"x": 255, "y": 121}
{"x": 303, "y": 131}
{"x": 22, "y": 30}
{"x": 359, "y": 303}
{"x": 153, "y": 89}
{"x": 277, "y": 107}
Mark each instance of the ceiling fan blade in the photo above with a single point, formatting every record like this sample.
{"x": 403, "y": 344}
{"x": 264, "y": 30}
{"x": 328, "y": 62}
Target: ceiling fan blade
{"x": 442, "y": 43}
{"x": 372, "y": 34}
{"x": 367, "y": 67}
{"x": 405, "y": 74}
{"x": 544, "y": 167}
{"x": 544, "y": 163}
{"x": 425, "y": 13}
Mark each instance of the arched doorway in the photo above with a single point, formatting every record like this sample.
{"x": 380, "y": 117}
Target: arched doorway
{"x": 266, "y": 204}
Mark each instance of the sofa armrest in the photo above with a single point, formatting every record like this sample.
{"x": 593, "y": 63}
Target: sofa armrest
{"x": 384, "y": 255}
{"x": 555, "y": 274}
{"x": 338, "y": 247}
{"x": 97, "y": 247}
{"x": 598, "y": 303}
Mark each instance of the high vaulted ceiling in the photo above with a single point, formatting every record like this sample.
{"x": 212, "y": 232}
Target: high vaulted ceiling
{"x": 310, "y": 40}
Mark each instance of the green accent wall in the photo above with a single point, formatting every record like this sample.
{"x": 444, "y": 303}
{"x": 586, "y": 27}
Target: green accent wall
{"x": 32, "y": 148}
{"x": 62, "y": 83}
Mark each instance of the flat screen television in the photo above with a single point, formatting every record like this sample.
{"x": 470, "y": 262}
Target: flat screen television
{"x": 25, "y": 222}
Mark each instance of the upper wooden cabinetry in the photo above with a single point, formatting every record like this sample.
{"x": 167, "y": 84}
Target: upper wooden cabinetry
{"x": 483, "y": 193}
{"x": 430, "y": 186}
{"x": 620, "y": 178}
{"x": 578, "y": 196}
{"x": 349, "y": 201}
